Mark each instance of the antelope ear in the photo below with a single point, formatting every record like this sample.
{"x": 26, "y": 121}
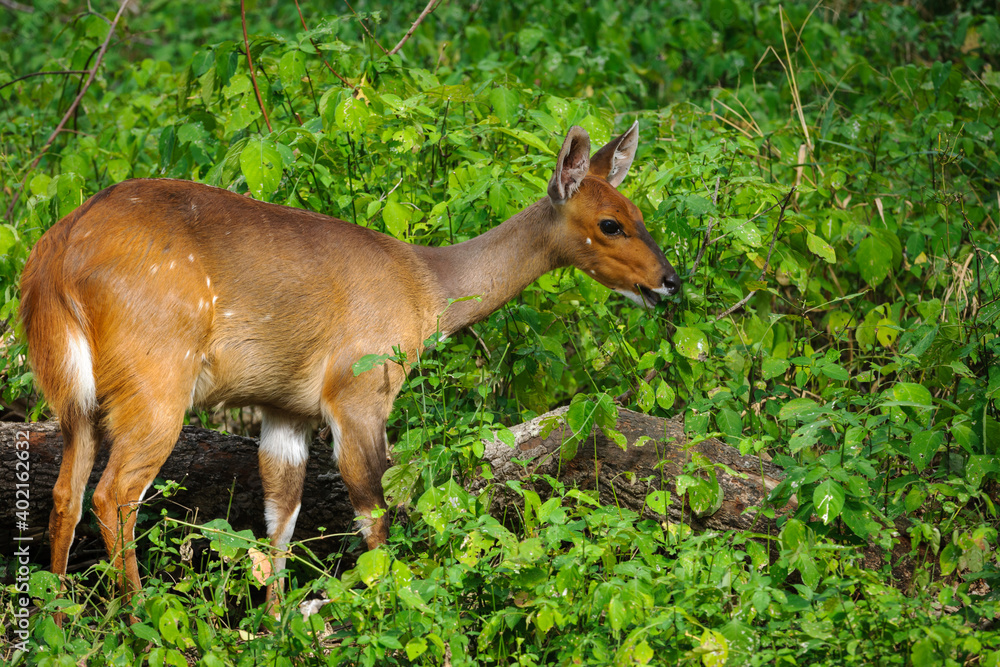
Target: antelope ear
{"x": 614, "y": 159}
{"x": 571, "y": 165}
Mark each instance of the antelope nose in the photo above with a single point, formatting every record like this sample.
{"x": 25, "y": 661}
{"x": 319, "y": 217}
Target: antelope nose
{"x": 671, "y": 283}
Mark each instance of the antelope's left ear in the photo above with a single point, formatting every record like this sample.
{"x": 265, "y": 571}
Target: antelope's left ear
{"x": 614, "y": 159}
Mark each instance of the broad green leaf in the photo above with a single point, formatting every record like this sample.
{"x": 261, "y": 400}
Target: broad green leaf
{"x": 924, "y": 446}
{"x": 261, "y": 165}
{"x": 658, "y": 500}
{"x": 398, "y": 482}
{"x": 373, "y": 565}
{"x": 505, "y": 103}
{"x": 820, "y": 247}
{"x": 773, "y": 367}
{"x": 829, "y": 500}
{"x": 802, "y": 409}
{"x": 665, "y": 395}
{"x": 292, "y": 67}
{"x": 874, "y": 259}
{"x": 729, "y": 422}
{"x": 368, "y": 362}
{"x": 692, "y": 343}
{"x": 644, "y": 396}
{"x": 528, "y": 138}
{"x": 396, "y": 217}
{"x": 7, "y": 239}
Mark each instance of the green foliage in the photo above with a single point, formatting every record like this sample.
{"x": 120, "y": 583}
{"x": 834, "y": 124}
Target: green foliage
{"x": 862, "y": 361}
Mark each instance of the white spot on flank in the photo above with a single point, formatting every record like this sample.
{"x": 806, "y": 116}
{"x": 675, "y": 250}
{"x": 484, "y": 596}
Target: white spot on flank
{"x": 154, "y": 268}
{"x": 172, "y": 264}
{"x": 187, "y": 355}
{"x": 201, "y": 304}
{"x": 190, "y": 258}
{"x": 589, "y": 241}
{"x": 214, "y": 299}
{"x": 135, "y": 200}
{"x": 227, "y": 313}
{"x": 284, "y": 439}
{"x": 208, "y": 281}
{"x": 80, "y": 369}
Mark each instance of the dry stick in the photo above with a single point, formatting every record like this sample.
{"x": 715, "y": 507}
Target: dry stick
{"x": 316, "y": 46}
{"x": 366, "y": 28}
{"x": 253, "y": 74}
{"x": 781, "y": 214}
{"x": 427, "y": 10}
{"x": 72, "y": 107}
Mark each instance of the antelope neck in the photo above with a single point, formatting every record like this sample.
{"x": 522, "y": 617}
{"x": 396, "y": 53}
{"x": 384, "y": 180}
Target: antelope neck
{"x": 495, "y": 266}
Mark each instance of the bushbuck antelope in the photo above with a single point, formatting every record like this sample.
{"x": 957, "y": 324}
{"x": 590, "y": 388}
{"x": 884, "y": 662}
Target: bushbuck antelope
{"x": 158, "y": 295}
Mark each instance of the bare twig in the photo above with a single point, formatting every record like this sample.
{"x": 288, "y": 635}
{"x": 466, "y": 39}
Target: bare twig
{"x": 427, "y": 10}
{"x": 366, "y": 28}
{"x": 58, "y": 72}
{"x": 774, "y": 237}
{"x": 316, "y": 46}
{"x": 17, "y": 7}
{"x": 708, "y": 232}
{"x": 253, "y": 74}
{"x": 72, "y": 107}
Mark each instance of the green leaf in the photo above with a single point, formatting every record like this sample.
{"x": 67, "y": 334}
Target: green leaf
{"x": 692, "y": 343}
{"x": 773, "y": 367}
{"x": 829, "y": 500}
{"x": 292, "y": 67}
{"x": 923, "y": 446}
{"x": 665, "y": 395}
{"x": 803, "y": 409}
{"x": 527, "y": 138}
{"x": 874, "y": 260}
{"x": 644, "y": 396}
{"x": 658, "y": 500}
{"x": 397, "y": 217}
{"x": 144, "y": 632}
{"x": 398, "y": 483}
{"x": 261, "y": 165}
{"x": 368, "y": 362}
{"x": 415, "y": 648}
{"x": 820, "y": 247}
{"x": 373, "y": 565}
{"x": 729, "y": 422}
{"x": 505, "y": 103}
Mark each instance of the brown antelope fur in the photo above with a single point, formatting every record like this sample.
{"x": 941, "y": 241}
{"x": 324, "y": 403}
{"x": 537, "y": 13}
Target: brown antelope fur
{"x": 157, "y": 295}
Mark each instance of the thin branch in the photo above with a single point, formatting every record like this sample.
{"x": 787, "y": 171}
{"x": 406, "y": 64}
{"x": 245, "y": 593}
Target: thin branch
{"x": 17, "y": 7}
{"x": 72, "y": 107}
{"x": 774, "y": 237}
{"x": 58, "y": 72}
{"x": 708, "y": 232}
{"x": 316, "y": 46}
{"x": 366, "y": 28}
{"x": 427, "y": 10}
{"x": 253, "y": 74}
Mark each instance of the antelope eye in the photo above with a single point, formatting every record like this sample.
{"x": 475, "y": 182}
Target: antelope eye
{"x": 610, "y": 227}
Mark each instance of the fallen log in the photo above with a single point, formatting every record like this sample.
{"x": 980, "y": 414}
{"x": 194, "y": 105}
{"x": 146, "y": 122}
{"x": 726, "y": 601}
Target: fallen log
{"x": 219, "y": 476}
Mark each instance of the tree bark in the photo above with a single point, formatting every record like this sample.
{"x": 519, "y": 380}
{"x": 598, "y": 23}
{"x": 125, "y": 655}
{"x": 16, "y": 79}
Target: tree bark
{"x": 220, "y": 479}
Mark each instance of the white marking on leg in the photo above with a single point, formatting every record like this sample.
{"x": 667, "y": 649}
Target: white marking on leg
{"x": 80, "y": 369}
{"x": 284, "y": 439}
{"x": 335, "y": 432}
